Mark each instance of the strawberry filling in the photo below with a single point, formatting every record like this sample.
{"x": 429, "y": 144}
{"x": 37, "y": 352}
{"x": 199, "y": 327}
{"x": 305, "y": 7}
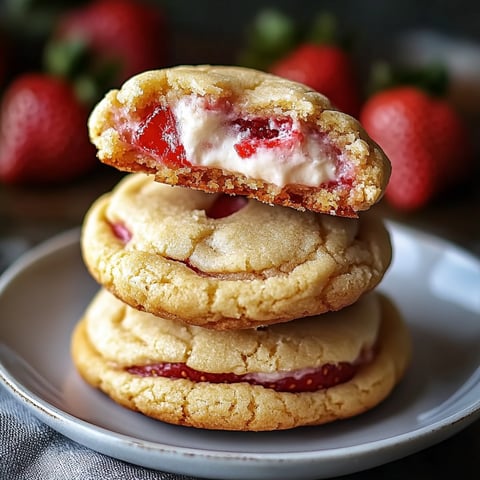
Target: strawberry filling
{"x": 306, "y": 380}
{"x": 121, "y": 232}
{"x": 196, "y": 132}
{"x": 265, "y": 133}
{"x": 225, "y": 205}
{"x": 158, "y": 135}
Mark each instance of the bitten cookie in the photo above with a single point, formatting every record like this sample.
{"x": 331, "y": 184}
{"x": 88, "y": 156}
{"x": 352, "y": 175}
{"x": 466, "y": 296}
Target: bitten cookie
{"x": 227, "y": 262}
{"x": 305, "y": 372}
{"x": 240, "y": 131}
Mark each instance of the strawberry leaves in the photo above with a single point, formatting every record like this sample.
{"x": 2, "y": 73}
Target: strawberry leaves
{"x": 100, "y": 45}
{"x": 90, "y": 47}
{"x": 432, "y": 78}
{"x": 74, "y": 60}
{"x": 270, "y": 36}
{"x": 315, "y": 55}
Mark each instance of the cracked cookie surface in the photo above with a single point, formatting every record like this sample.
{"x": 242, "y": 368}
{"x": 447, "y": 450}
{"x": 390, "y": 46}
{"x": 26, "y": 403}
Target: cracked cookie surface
{"x": 240, "y": 131}
{"x": 112, "y": 336}
{"x": 156, "y": 248}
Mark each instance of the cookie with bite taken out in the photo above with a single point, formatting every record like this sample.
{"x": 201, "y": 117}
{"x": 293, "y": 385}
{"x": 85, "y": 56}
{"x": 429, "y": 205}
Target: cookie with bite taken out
{"x": 240, "y": 131}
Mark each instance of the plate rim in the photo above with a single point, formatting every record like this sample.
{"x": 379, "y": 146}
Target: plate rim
{"x": 64, "y": 422}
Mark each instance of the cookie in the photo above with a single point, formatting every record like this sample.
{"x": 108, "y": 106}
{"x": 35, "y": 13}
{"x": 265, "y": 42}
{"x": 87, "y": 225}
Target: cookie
{"x": 240, "y": 131}
{"x": 227, "y": 262}
{"x": 305, "y": 372}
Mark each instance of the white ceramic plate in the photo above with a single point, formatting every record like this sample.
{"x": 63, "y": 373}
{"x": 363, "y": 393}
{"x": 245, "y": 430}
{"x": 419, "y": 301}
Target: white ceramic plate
{"x": 434, "y": 283}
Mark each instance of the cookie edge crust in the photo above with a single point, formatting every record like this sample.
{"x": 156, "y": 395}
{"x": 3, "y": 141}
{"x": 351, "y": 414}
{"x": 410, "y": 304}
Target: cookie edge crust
{"x": 373, "y": 167}
{"x": 243, "y": 407}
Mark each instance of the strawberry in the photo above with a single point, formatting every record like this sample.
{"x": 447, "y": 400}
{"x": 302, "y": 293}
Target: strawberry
{"x": 316, "y": 55}
{"x": 109, "y": 41}
{"x": 325, "y": 68}
{"x": 426, "y": 140}
{"x": 43, "y": 132}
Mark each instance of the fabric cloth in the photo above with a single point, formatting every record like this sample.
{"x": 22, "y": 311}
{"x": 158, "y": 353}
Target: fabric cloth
{"x": 31, "y": 450}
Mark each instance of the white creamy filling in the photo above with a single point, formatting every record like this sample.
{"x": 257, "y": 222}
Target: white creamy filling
{"x": 209, "y": 140}
{"x": 278, "y": 376}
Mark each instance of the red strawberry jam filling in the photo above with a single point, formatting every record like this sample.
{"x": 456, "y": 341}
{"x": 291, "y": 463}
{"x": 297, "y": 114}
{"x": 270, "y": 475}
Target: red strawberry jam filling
{"x": 225, "y": 205}
{"x": 121, "y": 232}
{"x": 158, "y": 135}
{"x": 305, "y": 380}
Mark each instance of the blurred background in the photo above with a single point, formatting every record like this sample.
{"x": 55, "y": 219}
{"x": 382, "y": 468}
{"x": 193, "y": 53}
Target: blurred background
{"x": 43, "y": 193}
{"x": 222, "y": 25}
{"x": 214, "y": 30}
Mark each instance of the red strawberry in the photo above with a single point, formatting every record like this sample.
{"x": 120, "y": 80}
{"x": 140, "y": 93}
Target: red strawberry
{"x": 126, "y": 35}
{"x": 325, "y": 68}
{"x": 43, "y": 136}
{"x": 425, "y": 139}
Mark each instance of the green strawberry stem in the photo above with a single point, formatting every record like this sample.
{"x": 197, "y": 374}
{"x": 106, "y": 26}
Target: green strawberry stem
{"x": 433, "y": 78}
{"x": 270, "y": 36}
{"x": 73, "y": 60}
{"x": 325, "y": 30}
{"x": 65, "y": 58}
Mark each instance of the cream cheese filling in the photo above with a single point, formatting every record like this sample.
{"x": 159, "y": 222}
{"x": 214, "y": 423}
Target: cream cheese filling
{"x": 209, "y": 141}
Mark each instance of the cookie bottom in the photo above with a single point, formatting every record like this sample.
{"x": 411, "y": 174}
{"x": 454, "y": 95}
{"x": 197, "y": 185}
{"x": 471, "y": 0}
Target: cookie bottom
{"x": 245, "y": 407}
{"x": 341, "y": 200}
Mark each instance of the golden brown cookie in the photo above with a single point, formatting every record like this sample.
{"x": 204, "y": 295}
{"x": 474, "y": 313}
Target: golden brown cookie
{"x": 227, "y": 262}
{"x": 305, "y": 372}
{"x": 240, "y": 131}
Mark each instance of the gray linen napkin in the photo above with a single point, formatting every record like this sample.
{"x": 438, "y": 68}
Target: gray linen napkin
{"x": 31, "y": 450}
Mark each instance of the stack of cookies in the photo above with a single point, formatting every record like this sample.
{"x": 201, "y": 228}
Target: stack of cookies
{"x": 237, "y": 260}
